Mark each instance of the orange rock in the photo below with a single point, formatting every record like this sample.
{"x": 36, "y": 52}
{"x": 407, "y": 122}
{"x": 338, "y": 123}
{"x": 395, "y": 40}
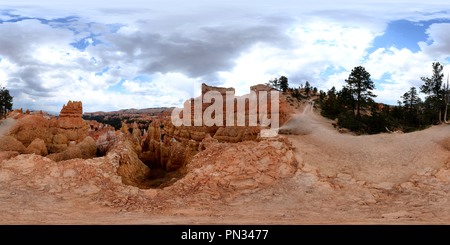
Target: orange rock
{"x": 30, "y": 127}
{"x": 72, "y": 109}
{"x": 70, "y": 116}
{"x": 60, "y": 139}
{"x": 131, "y": 168}
{"x": 9, "y": 143}
{"x": 88, "y": 148}
{"x": 37, "y": 147}
{"x": 231, "y": 168}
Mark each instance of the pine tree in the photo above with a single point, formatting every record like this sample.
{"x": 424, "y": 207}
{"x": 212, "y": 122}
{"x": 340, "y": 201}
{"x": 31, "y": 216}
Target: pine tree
{"x": 411, "y": 99}
{"x": 5, "y": 102}
{"x": 284, "y": 84}
{"x": 360, "y": 86}
{"x": 433, "y": 88}
{"x": 446, "y": 100}
{"x": 274, "y": 83}
{"x": 307, "y": 88}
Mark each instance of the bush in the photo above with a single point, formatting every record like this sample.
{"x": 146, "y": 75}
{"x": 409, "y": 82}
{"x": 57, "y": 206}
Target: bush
{"x": 375, "y": 124}
{"x": 349, "y": 120}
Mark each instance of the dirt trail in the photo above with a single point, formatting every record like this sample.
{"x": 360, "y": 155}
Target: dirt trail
{"x": 374, "y": 158}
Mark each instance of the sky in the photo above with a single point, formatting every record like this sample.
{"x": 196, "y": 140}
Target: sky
{"x": 139, "y": 54}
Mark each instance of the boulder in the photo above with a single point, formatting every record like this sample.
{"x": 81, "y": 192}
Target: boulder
{"x": 72, "y": 152}
{"x": 85, "y": 149}
{"x": 9, "y": 143}
{"x": 60, "y": 139}
{"x": 37, "y": 147}
{"x": 30, "y": 127}
{"x": 88, "y": 148}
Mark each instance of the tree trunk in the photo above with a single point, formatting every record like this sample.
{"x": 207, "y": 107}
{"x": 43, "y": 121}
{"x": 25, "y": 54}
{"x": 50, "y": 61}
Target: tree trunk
{"x": 358, "y": 105}
{"x": 358, "y": 113}
{"x": 445, "y": 112}
{"x": 446, "y": 100}
{"x": 440, "y": 118}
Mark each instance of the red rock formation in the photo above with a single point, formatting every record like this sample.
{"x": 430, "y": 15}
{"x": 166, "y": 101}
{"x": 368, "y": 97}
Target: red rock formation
{"x": 30, "y": 127}
{"x": 70, "y": 116}
{"x": 15, "y": 113}
{"x": 56, "y": 133}
{"x": 172, "y": 147}
{"x": 133, "y": 171}
{"x": 105, "y": 140}
{"x": 72, "y": 109}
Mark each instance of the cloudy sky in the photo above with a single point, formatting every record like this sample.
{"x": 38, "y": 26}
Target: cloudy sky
{"x": 139, "y": 54}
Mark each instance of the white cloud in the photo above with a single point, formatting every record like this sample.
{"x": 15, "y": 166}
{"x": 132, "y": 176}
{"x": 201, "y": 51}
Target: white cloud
{"x": 440, "y": 46}
{"x": 177, "y": 45}
{"x": 316, "y": 46}
{"x": 404, "y": 67}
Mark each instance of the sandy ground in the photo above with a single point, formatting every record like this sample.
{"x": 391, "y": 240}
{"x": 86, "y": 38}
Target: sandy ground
{"x": 341, "y": 179}
{"x": 372, "y": 158}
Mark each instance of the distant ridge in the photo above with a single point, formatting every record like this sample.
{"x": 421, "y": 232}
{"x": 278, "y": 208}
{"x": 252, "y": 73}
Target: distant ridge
{"x": 132, "y": 110}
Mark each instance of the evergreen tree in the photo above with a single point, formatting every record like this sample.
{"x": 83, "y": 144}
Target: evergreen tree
{"x": 346, "y": 100}
{"x": 307, "y": 88}
{"x": 274, "y": 83}
{"x": 284, "y": 84}
{"x": 433, "y": 88}
{"x": 411, "y": 99}
{"x": 322, "y": 96}
{"x": 446, "y": 98}
{"x": 411, "y": 102}
{"x": 360, "y": 86}
{"x": 330, "y": 106}
{"x": 5, "y": 101}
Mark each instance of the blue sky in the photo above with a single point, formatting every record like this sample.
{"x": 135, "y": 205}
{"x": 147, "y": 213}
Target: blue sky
{"x": 140, "y": 54}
